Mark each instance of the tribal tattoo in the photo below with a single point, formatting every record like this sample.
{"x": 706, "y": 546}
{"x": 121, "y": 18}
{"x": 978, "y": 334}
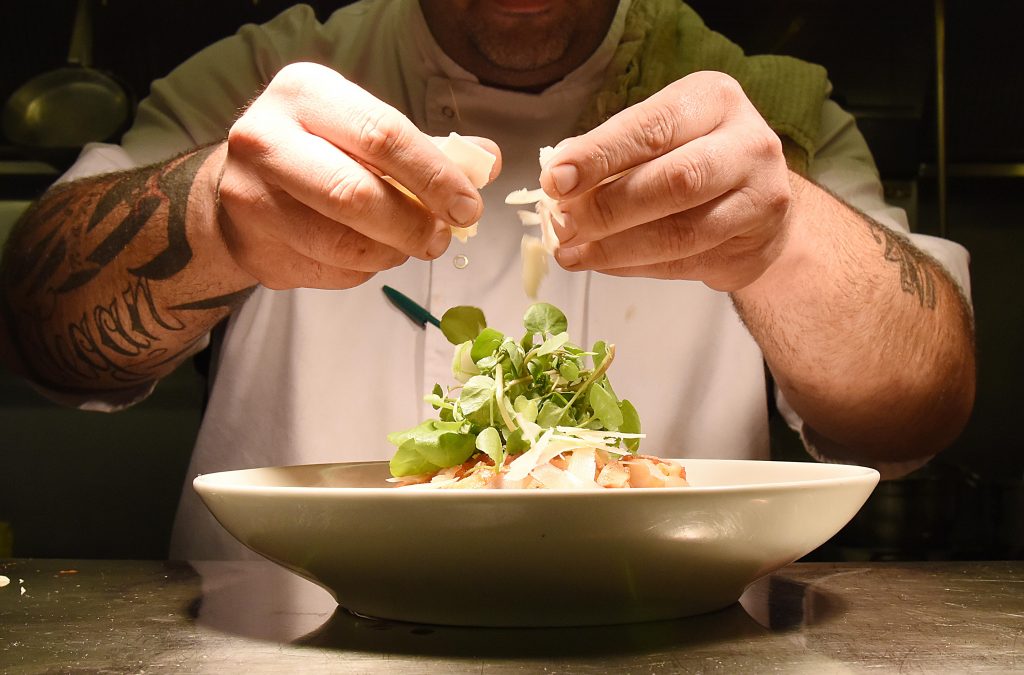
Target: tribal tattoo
{"x": 70, "y": 239}
{"x": 917, "y": 277}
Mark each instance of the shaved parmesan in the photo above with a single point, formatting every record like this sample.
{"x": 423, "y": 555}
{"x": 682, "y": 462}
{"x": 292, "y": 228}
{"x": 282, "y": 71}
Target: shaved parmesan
{"x": 534, "y": 261}
{"x": 534, "y": 251}
{"x": 475, "y": 162}
{"x": 464, "y": 233}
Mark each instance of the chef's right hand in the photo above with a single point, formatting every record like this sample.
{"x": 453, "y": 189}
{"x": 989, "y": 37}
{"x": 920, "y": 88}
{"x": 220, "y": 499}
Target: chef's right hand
{"x": 299, "y": 205}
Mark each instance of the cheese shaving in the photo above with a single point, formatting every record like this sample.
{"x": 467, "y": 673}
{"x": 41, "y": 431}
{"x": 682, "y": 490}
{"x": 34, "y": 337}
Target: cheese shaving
{"x": 535, "y": 250}
{"x": 475, "y": 162}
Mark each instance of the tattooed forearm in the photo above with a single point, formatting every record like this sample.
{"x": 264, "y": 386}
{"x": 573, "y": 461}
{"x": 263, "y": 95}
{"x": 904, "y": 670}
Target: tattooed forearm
{"x": 175, "y": 183}
{"x": 83, "y": 279}
{"x": 229, "y": 301}
{"x": 916, "y": 274}
{"x": 96, "y": 343}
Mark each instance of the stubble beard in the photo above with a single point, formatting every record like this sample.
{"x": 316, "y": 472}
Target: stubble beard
{"x": 520, "y": 49}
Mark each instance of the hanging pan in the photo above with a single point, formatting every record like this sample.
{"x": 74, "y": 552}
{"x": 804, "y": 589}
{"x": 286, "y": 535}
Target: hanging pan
{"x": 54, "y": 114}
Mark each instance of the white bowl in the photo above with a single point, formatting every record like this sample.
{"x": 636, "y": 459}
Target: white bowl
{"x": 536, "y": 557}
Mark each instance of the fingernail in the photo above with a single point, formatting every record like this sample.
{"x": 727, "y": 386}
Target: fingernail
{"x": 567, "y": 257}
{"x": 463, "y": 210}
{"x": 566, "y": 177}
{"x": 567, "y": 230}
{"x": 439, "y": 244}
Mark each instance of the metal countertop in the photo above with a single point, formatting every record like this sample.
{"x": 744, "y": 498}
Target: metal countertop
{"x": 253, "y": 617}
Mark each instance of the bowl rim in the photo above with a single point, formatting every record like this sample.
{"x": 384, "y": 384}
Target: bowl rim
{"x": 844, "y": 474}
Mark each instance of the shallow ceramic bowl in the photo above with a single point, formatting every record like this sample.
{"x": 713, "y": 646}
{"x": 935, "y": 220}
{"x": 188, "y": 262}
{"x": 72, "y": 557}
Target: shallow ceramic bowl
{"x": 536, "y": 557}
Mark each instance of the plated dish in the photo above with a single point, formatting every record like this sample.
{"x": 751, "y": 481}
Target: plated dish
{"x": 528, "y": 557}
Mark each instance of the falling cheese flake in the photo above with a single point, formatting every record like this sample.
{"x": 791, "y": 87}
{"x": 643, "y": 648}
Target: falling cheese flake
{"x": 4, "y": 581}
{"x": 535, "y": 250}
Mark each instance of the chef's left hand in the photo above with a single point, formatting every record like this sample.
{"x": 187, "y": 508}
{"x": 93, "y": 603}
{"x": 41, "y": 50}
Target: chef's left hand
{"x": 706, "y": 196}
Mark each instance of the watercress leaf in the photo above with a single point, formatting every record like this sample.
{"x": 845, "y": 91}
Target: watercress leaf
{"x": 450, "y": 449}
{"x": 573, "y": 349}
{"x": 544, "y": 318}
{"x": 476, "y": 394}
{"x": 486, "y": 343}
{"x": 569, "y": 370}
{"x": 550, "y": 414}
{"x": 408, "y": 461}
{"x": 527, "y": 407}
{"x": 553, "y": 343}
{"x": 515, "y": 354}
{"x": 487, "y": 363}
{"x": 397, "y": 438}
{"x": 434, "y": 400}
{"x": 516, "y": 443}
{"x": 630, "y": 425}
{"x": 488, "y": 441}
{"x": 462, "y": 323}
{"x": 605, "y": 407}
{"x": 463, "y": 366}
{"x": 600, "y": 350}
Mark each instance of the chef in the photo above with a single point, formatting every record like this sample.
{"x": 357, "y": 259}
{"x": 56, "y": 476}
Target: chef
{"x": 247, "y": 210}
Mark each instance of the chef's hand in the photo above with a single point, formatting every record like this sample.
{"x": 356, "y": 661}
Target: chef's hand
{"x": 706, "y": 196}
{"x": 300, "y": 205}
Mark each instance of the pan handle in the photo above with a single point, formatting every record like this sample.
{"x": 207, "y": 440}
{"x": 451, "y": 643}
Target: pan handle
{"x": 80, "y": 51}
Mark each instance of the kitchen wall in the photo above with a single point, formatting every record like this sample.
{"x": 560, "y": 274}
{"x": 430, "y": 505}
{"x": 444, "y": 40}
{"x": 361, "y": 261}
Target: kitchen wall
{"x": 84, "y": 484}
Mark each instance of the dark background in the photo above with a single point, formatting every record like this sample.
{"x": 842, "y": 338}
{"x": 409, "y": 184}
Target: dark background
{"x": 76, "y": 484}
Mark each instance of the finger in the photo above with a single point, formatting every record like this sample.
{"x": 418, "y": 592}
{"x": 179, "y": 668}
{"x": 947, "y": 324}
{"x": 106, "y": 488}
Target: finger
{"x": 714, "y": 268}
{"x": 679, "y": 113}
{"x": 319, "y": 175}
{"x": 697, "y": 173}
{"x": 279, "y": 267}
{"x": 678, "y": 236}
{"x": 376, "y": 133}
{"x": 319, "y": 238}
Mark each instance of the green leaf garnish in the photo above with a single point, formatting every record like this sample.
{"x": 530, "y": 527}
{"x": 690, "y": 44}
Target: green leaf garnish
{"x": 544, "y": 319}
{"x": 630, "y": 424}
{"x": 486, "y": 344}
{"x": 511, "y": 389}
{"x": 606, "y": 408}
{"x": 463, "y": 323}
{"x": 489, "y": 442}
{"x": 430, "y": 446}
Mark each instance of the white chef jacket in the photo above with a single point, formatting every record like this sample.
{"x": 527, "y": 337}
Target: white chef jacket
{"x": 307, "y": 376}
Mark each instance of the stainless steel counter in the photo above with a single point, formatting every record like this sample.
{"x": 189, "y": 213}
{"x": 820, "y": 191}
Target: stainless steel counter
{"x": 252, "y": 617}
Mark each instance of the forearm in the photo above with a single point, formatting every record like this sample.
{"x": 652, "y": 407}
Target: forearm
{"x": 109, "y": 281}
{"x": 869, "y": 339}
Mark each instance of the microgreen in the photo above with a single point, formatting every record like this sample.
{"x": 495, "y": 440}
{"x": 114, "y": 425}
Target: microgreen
{"x": 512, "y": 391}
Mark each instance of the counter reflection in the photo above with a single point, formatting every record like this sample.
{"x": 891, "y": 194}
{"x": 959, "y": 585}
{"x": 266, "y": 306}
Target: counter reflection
{"x": 269, "y": 603}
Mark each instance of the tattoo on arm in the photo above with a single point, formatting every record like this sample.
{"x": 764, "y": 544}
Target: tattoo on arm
{"x": 71, "y": 239}
{"x": 917, "y": 277}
